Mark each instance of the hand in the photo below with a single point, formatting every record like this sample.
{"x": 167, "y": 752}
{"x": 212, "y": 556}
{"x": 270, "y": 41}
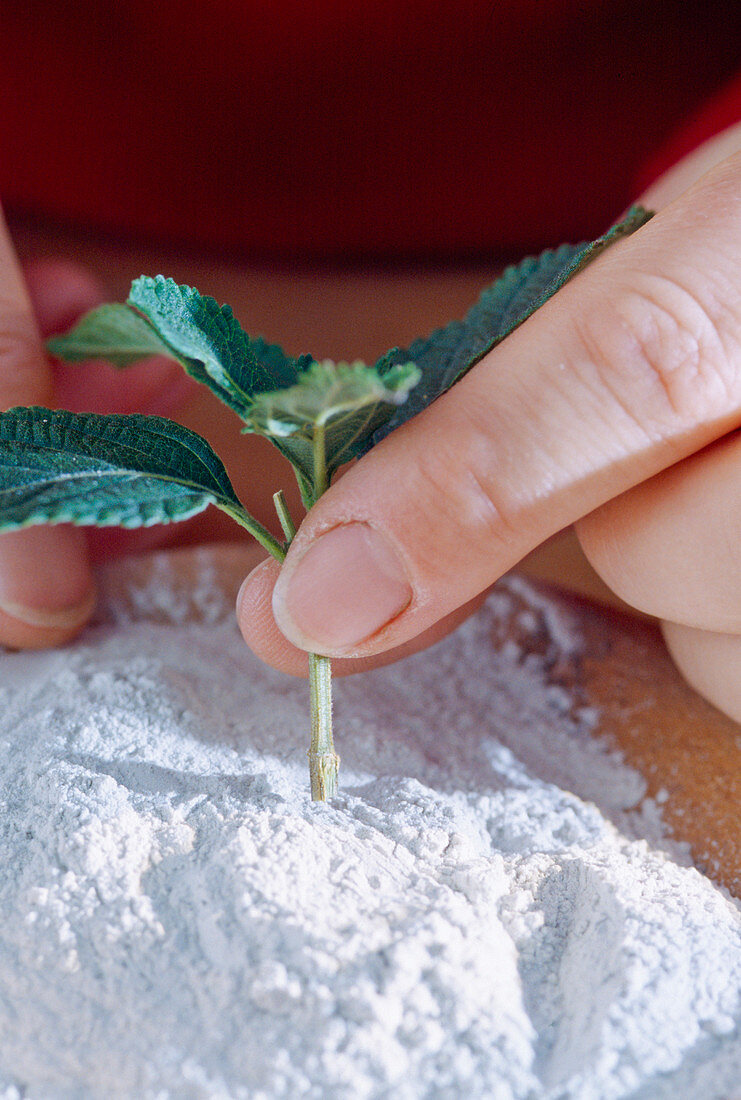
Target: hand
{"x": 46, "y": 584}
{"x": 671, "y": 546}
{"x": 632, "y": 368}
{"x": 46, "y": 587}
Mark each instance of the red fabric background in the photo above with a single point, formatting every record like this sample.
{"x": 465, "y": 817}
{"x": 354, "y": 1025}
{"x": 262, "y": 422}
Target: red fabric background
{"x": 322, "y": 129}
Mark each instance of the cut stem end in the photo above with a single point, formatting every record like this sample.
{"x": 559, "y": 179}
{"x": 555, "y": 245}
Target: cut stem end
{"x": 324, "y": 770}
{"x": 324, "y": 763}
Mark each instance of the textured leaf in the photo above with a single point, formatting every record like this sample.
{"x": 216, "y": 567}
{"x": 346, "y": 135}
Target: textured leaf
{"x": 82, "y": 468}
{"x": 449, "y": 352}
{"x": 114, "y": 332}
{"x": 345, "y": 401}
{"x": 277, "y": 369}
{"x": 210, "y": 343}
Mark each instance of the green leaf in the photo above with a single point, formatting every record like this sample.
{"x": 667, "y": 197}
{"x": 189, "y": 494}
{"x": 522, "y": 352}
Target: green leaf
{"x": 112, "y": 332}
{"x": 82, "y": 468}
{"x": 333, "y": 405}
{"x": 210, "y": 343}
{"x": 636, "y": 217}
{"x": 449, "y": 352}
{"x": 276, "y": 368}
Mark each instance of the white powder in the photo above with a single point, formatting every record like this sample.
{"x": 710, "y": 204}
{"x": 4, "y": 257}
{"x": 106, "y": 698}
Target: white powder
{"x": 485, "y": 912}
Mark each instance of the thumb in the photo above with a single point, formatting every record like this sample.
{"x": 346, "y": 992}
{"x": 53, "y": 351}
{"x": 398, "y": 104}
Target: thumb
{"x": 46, "y": 590}
{"x": 632, "y": 366}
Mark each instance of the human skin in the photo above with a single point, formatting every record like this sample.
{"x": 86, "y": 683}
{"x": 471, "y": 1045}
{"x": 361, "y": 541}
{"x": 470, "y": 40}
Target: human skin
{"x": 614, "y": 407}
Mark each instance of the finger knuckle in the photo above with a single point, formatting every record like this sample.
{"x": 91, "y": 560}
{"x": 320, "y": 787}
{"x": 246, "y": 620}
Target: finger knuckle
{"x": 664, "y": 351}
{"x": 459, "y": 478}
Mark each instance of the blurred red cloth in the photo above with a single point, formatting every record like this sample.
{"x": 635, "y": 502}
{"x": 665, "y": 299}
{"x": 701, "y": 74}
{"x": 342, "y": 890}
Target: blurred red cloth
{"x": 330, "y": 129}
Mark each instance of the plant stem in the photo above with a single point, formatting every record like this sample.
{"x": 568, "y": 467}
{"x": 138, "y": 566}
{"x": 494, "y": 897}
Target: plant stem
{"x": 256, "y": 529}
{"x": 324, "y": 763}
{"x": 286, "y": 520}
{"x": 321, "y": 483}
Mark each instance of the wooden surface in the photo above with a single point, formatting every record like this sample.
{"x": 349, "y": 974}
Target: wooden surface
{"x": 679, "y": 743}
{"x": 687, "y": 751}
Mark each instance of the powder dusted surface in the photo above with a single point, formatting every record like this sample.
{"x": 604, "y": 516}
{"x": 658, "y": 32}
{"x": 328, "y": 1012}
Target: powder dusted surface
{"x": 179, "y": 922}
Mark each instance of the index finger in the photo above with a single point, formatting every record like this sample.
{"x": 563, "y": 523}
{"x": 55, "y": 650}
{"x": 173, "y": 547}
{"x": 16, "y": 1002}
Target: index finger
{"x": 631, "y": 367}
{"x": 25, "y": 377}
{"x": 46, "y": 589}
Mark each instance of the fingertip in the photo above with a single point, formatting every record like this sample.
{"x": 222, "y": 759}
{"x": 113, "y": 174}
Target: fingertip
{"x": 263, "y": 636}
{"x": 258, "y": 626}
{"x": 44, "y": 633}
{"x": 47, "y": 591}
{"x": 256, "y": 592}
{"x": 710, "y": 662}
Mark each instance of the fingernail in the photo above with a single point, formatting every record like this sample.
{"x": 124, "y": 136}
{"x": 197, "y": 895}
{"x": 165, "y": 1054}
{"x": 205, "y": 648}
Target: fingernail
{"x": 44, "y": 578}
{"x": 348, "y": 585}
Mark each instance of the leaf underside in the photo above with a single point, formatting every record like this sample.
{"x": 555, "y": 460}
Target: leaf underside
{"x": 87, "y": 469}
{"x": 449, "y": 352}
{"x": 345, "y": 401}
{"x": 113, "y": 332}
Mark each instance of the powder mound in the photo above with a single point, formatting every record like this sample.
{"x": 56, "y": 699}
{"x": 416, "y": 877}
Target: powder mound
{"x": 484, "y": 912}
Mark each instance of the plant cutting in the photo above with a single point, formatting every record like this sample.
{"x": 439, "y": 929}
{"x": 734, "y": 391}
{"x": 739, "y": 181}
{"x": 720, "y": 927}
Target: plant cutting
{"x": 135, "y": 470}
